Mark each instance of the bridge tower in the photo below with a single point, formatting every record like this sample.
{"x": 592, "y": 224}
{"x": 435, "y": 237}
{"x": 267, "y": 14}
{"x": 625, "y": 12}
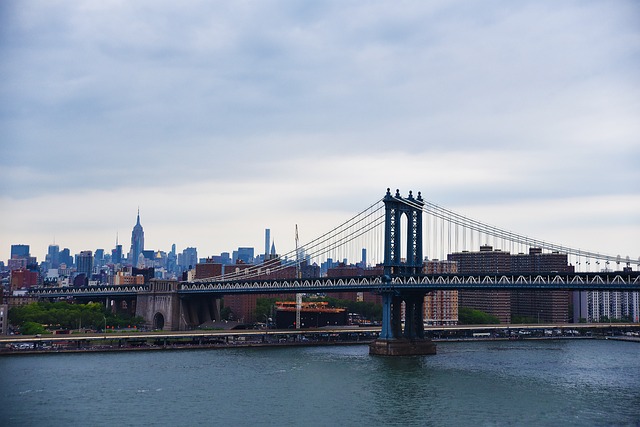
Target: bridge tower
{"x": 395, "y": 340}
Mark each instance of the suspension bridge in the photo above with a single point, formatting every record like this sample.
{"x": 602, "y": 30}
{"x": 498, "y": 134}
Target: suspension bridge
{"x": 394, "y": 233}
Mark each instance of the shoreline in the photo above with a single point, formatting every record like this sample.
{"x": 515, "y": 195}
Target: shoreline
{"x": 179, "y": 347}
{"x": 218, "y": 346}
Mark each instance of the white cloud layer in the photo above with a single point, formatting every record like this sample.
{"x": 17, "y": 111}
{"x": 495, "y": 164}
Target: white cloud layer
{"x": 220, "y": 119}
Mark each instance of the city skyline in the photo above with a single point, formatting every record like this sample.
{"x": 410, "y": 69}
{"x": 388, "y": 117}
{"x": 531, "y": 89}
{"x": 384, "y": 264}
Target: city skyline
{"x": 232, "y": 118}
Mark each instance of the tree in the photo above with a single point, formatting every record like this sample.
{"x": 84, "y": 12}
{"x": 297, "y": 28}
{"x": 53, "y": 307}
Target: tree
{"x": 470, "y": 316}
{"x": 264, "y": 308}
{"x": 225, "y": 313}
{"x": 32, "y": 328}
{"x": 69, "y": 316}
{"x": 523, "y": 320}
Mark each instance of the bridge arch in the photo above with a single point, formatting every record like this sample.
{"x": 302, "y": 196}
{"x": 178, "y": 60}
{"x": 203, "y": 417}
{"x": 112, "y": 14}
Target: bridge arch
{"x": 158, "y": 321}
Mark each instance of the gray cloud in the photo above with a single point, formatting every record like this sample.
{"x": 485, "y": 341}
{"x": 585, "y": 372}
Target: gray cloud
{"x": 111, "y": 96}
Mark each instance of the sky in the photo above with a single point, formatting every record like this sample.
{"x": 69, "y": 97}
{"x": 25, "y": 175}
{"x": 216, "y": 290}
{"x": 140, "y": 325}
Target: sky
{"x": 218, "y": 119}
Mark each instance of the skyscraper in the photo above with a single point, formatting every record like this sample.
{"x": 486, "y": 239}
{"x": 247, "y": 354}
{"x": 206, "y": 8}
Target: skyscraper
{"x": 189, "y": 258}
{"x": 267, "y": 242}
{"x": 244, "y": 255}
{"x": 137, "y": 242}
{"x": 98, "y": 258}
{"x": 20, "y": 251}
{"x": 85, "y": 263}
{"x": 116, "y": 253}
{"x": 53, "y": 256}
{"x": 65, "y": 257}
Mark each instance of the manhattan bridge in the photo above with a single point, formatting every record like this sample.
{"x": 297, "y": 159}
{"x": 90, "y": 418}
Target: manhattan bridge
{"x": 394, "y": 230}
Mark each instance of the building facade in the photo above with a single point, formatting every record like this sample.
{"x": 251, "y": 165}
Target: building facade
{"x": 84, "y": 262}
{"x": 137, "y": 242}
{"x": 487, "y": 260}
{"x": 541, "y": 306}
{"x": 441, "y": 307}
{"x": 606, "y": 306}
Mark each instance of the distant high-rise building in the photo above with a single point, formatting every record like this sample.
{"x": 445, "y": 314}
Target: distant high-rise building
{"x": 189, "y": 258}
{"x": 116, "y": 254}
{"x": 540, "y": 306}
{"x": 224, "y": 258}
{"x": 16, "y": 263}
{"x": 53, "y": 256}
{"x": 20, "y": 251}
{"x": 20, "y": 258}
{"x": 363, "y": 262}
{"x": 137, "y": 242}
{"x": 267, "y": 242}
{"x": 497, "y": 303}
{"x": 98, "y": 258}
{"x": 528, "y": 306}
{"x": 441, "y": 307}
{"x": 85, "y": 263}
{"x": 244, "y": 255}
{"x": 65, "y": 257}
{"x": 607, "y": 306}
{"x": 172, "y": 260}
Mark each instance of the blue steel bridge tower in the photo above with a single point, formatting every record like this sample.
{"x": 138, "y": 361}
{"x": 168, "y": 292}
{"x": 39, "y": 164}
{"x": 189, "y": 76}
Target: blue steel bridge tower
{"x": 394, "y": 339}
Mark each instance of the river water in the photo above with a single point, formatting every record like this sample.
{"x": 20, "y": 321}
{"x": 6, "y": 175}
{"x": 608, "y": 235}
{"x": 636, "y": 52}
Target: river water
{"x": 545, "y": 383}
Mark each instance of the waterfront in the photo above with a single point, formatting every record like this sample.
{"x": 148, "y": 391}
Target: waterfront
{"x": 560, "y": 382}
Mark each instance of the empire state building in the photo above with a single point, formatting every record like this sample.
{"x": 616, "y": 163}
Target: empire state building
{"x": 137, "y": 242}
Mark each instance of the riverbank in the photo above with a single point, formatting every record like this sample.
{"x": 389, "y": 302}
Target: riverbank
{"x": 176, "y": 347}
{"x": 629, "y": 339}
{"x": 256, "y": 344}
{"x": 329, "y": 336}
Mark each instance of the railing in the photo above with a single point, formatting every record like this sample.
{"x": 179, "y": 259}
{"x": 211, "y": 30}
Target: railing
{"x": 622, "y": 281}
{"x": 98, "y": 290}
{"x": 618, "y": 281}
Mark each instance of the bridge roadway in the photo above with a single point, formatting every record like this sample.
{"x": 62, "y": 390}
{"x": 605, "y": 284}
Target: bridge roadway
{"x": 610, "y": 281}
{"x": 259, "y": 333}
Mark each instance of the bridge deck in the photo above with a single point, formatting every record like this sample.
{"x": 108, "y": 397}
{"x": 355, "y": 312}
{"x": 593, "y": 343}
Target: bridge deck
{"x": 617, "y": 281}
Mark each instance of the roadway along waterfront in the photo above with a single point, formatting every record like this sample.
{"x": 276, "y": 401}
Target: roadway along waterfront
{"x": 221, "y": 338}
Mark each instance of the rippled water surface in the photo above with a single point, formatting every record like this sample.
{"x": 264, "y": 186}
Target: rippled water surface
{"x": 581, "y": 383}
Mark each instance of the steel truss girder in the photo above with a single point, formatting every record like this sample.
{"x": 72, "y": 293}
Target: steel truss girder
{"x": 627, "y": 281}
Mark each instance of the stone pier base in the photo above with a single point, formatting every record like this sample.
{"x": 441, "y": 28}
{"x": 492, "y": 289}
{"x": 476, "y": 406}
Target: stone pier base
{"x": 402, "y": 347}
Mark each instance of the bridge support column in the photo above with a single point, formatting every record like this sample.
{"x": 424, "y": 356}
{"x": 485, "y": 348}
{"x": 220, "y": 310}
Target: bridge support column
{"x": 386, "y": 331}
{"x": 394, "y": 341}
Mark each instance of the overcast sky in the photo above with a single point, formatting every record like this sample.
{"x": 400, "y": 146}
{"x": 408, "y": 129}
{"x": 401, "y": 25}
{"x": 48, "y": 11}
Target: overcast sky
{"x": 220, "y": 119}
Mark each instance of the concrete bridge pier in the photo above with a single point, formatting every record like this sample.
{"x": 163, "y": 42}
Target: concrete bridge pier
{"x": 160, "y": 305}
{"x": 396, "y": 341}
{"x": 162, "y": 308}
{"x": 199, "y": 309}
